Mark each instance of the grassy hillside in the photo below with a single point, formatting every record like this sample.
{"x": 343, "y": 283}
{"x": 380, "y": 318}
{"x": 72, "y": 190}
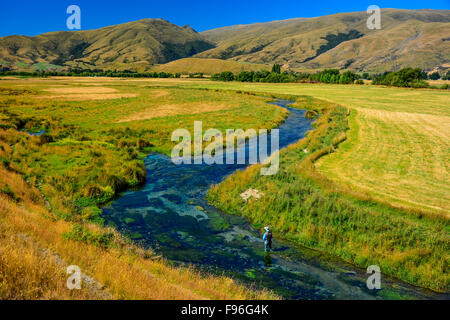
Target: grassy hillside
{"x": 408, "y": 38}
{"x": 207, "y": 66}
{"x": 134, "y": 45}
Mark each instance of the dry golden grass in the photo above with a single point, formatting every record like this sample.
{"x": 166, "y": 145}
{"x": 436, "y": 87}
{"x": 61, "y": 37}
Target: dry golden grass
{"x": 28, "y": 272}
{"x": 207, "y": 66}
{"x": 168, "y": 110}
{"x": 85, "y": 93}
{"x": 125, "y": 271}
{"x": 90, "y": 97}
{"x": 438, "y": 82}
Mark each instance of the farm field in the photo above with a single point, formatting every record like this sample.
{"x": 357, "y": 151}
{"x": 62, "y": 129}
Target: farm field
{"x": 398, "y": 149}
{"x": 97, "y": 131}
{"x": 407, "y": 129}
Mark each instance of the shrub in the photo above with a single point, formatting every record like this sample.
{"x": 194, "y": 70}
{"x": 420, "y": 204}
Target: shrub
{"x": 95, "y": 153}
{"x": 223, "y": 76}
{"x": 9, "y": 193}
{"x": 132, "y": 154}
{"x": 93, "y": 214}
{"x": 92, "y": 191}
{"x": 419, "y": 84}
{"x": 311, "y": 114}
{"x": 79, "y": 233}
{"x": 407, "y": 77}
{"x": 5, "y": 162}
{"x": 44, "y": 139}
{"x": 123, "y": 143}
{"x": 115, "y": 182}
{"x": 95, "y": 194}
{"x": 142, "y": 144}
{"x": 447, "y": 76}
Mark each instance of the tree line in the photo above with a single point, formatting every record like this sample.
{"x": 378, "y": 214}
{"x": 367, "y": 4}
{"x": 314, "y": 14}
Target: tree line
{"x": 93, "y": 73}
{"x": 276, "y": 76}
{"x": 410, "y": 78}
{"x": 407, "y": 77}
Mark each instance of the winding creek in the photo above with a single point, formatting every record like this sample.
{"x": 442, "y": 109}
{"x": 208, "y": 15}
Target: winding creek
{"x": 170, "y": 214}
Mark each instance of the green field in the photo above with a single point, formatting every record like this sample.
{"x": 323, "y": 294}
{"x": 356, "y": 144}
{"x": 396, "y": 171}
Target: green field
{"x": 399, "y": 146}
{"x": 396, "y": 153}
{"x": 207, "y": 66}
{"x": 369, "y": 184}
{"x": 97, "y": 133}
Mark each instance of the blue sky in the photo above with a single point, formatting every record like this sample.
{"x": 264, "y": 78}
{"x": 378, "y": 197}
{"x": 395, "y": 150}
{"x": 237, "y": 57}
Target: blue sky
{"x": 34, "y": 17}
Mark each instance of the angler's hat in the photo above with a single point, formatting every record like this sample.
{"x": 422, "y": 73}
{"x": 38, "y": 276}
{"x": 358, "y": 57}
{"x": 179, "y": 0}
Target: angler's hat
{"x": 266, "y": 228}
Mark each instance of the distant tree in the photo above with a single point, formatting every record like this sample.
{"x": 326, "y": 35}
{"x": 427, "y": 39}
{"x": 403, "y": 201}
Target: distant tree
{"x": 223, "y": 76}
{"x": 245, "y": 76}
{"x": 333, "y": 79}
{"x": 276, "y": 68}
{"x": 447, "y": 76}
{"x": 407, "y": 77}
{"x": 434, "y": 76}
{"x": 273, "y": 77}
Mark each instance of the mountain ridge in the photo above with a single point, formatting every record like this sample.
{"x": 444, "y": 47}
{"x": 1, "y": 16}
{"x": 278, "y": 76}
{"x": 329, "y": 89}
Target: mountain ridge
{"x": 294, "y": 42}
{"x": 140, "y": 43}
{"x": 418, "y": 38}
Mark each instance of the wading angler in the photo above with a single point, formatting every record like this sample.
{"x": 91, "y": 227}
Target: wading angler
{"x": 238, "y": 144}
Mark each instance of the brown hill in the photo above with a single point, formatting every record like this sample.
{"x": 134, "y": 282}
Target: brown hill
{"x": 408, "y": 38}
{"x": 133, "y": 45}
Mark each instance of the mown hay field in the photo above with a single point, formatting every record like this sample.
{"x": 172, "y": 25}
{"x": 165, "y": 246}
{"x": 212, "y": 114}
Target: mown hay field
{"x": 398, "y": 148}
